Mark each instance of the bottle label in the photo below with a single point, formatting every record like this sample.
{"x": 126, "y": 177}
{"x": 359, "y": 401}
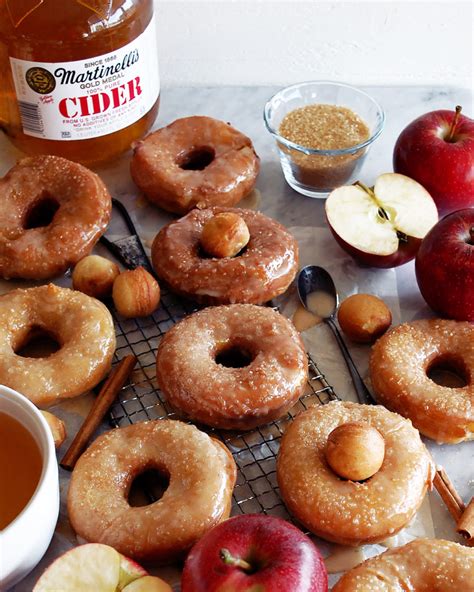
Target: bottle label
{"x": 88, "y": 98}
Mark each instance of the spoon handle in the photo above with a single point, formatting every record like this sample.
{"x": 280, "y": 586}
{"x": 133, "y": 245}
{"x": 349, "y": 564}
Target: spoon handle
{"x": 362, "y": 391}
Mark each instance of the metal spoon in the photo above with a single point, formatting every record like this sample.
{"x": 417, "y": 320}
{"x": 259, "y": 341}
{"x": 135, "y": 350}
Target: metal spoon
{"x": 316, "y": 279}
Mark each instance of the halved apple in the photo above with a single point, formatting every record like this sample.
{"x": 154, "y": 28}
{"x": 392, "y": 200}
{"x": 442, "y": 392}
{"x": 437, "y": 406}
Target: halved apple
{"x": 98, "y": 568}
{"x": 381, "y": 226}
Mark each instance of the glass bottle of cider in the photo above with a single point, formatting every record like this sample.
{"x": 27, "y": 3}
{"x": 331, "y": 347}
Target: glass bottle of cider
{"x": 78, "y": 78}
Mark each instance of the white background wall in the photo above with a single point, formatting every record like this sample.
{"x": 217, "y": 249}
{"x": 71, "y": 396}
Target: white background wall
{"x": 280, "y": 42}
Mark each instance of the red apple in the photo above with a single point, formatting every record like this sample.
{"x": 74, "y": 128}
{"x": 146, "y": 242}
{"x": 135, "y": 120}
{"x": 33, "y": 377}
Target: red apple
{"x": 251, "y": 553}
{"x": 445, "y": 266}
{"x": 437, "y": 150}
{"x": 98, "y": 568}
{"x": 381, "y": 226}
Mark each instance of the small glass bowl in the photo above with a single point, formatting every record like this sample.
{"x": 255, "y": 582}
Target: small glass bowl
{"x": 315, "y": 172}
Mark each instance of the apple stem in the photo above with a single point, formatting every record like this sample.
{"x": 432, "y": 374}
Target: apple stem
{"x": 471, "y": 232}
{"x": 229, "y": 559}
{"x": 452, "y": 129}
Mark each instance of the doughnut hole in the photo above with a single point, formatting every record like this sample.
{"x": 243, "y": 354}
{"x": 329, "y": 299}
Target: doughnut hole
{"x": 224, "y": 235}
{"x": 95, "y": 276}
{"x": 234, "y": 356}
{"x": 196, "y": 159}
{"x": 36, "y": 342}
{"x": 448, "y": 371}
{"x": 136, "y": 293}
{"x": 41, "y": 212}
{"x": 355, "y": 451}
{"x": 364, "y": 317}
{"x": 148, "y": 487}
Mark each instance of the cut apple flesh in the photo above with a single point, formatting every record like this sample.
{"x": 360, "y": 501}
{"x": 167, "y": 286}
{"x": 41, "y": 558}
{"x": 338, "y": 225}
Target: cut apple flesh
{"x": 374, "y": 221}
{"x": 88, "y": 567}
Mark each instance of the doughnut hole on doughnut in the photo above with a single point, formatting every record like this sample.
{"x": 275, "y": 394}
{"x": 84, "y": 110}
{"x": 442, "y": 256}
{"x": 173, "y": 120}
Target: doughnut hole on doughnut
{"x": 136, "y": 293}
{"x": 355, "y": 451}
{"x": 345, "y": 511}
{"x": 364, "y": 317}
{"x": 224, "y": 235}
{"x": 95, "y": 276}
{"x": 262, "y": 270}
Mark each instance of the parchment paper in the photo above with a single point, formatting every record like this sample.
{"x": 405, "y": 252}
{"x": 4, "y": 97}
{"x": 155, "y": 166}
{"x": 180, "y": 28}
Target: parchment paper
{"x": 316, "y": 247}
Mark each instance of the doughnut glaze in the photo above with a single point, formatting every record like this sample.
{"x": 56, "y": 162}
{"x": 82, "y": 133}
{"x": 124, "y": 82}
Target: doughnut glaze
{"x": 399, "y": 367}
{"x": 83, "y": 328}
{"x": 39, "y": 186}
{"x": 197, "y": 384}
{"x": 424, "y": 565}
{"x": 201, "y": 472}
{"x": 352, "y": 512}
{"x": 195, "y": 161}
{"x": 264, "y": 270}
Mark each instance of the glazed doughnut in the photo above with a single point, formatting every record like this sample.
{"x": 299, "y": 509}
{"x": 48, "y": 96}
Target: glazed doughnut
{"x": 83, "y": 328}
{"x": 399, "y": 366}
{"x": 232, "y": 367}
{"x": 423, "y": 565}
{"x": 261, "y": 272}
{"x": 195, "y": 161}
{"x": 53, "y": 213}
{"x": 201, "y": 472}
{"x": 352, "y": 512}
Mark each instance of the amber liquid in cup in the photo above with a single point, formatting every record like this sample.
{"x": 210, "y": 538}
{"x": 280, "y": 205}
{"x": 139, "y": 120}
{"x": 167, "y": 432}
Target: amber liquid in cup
{"x": 20, "y": 468}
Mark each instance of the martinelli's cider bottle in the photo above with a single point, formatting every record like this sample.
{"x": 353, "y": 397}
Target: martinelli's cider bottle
{"x": 78, "y": 78}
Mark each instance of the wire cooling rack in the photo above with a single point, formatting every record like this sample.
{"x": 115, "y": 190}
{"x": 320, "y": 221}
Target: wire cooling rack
{"x": 255, "y": 451}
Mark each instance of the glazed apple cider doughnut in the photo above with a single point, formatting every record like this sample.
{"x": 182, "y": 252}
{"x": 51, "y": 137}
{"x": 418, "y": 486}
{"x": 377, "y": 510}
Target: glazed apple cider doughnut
{"x": 424, "y": 565}
{"x": 262, "y": 271}
{"x": 232, "y": 367}
{"x": 400, "y": 366}
{"x": 53, "y": 211}
{"x": 345, "y": 511}
{"x": 83, "y": 329}
{"x": 201, "y": 472}
{"x": 195, "y": 161}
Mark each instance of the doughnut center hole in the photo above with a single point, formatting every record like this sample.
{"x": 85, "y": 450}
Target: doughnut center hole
{"x": 38, "y": 343}
{"x": 234, "y": 357}
{"x": 148, "y": 487}
{"x": 196, "y": 159}
{"x": 201, "y": 253}
{"x": 41, "y": 212}
{"x": 447, "y": 372}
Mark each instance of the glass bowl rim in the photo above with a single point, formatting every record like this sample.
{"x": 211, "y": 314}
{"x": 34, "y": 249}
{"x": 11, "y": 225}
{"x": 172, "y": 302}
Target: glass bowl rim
{"x": 316, "y": 151}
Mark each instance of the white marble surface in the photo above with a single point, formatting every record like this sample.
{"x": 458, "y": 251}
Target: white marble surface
{"x": 242, "y": 106}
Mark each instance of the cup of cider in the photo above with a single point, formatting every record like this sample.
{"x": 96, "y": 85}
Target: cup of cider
{"x": 29, "y": 491}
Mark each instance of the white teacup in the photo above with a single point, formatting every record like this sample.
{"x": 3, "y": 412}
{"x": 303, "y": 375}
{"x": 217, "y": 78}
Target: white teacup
{"x": 25, "y": 540}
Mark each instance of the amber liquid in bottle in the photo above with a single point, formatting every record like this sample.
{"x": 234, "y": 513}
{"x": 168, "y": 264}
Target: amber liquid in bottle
{"x": 65, "y": 31}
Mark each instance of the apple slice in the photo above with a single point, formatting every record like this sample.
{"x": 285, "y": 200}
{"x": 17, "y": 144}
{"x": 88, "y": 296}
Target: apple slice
{"x": 148, "y": 584}
{"x": 87, "y": 567}
{"x": 382, "y": 226}
{"x": 97, "y": 568}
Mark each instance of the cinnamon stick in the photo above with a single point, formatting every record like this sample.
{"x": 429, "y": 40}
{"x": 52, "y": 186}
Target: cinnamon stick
{"x": 105, "y": 398}
{"x": 465, "y": 525}
{"x": 448, "y": 493}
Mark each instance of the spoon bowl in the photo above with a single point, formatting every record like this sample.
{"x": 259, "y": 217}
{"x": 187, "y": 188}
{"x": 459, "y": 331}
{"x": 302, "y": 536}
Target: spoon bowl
{"x": 318, "y": 294}
{"x": 313, "y": 279}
